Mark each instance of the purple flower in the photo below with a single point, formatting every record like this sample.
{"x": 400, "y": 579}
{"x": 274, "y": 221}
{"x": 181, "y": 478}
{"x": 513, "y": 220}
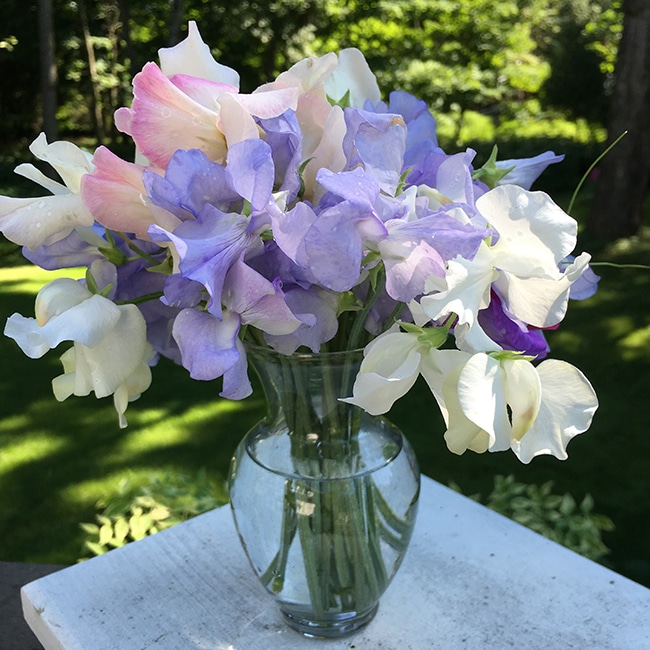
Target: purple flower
{"x": 527, "y": 170}
{"x": 191, "y": 181}
{"x": 210, "y": 349}
{"x": 283, "y": 136}
{"x": 375, "y": 142}
{"x": 510, "y": 333}
{"x": 208, "y": 247}
{"x": 420, "y": 124}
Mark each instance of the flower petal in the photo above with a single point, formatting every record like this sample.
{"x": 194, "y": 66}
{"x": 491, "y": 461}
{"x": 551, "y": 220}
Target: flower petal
{"x": 523, "y": 393}
{"x": 389, "y": 369}
{"x": 535, "y": 235}
{"x": 193, "y": 56}
{"x": 42, "y": 220}
{"x": 567, "y": 409}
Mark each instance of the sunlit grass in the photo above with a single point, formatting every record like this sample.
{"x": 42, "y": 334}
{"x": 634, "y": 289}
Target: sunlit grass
{"x": 164, "y": 430}
{"x": 36, "y": 446}
{"x": 29, "y": 279}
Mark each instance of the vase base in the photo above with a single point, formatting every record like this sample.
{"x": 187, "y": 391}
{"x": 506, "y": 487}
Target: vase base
{"x": 333, "y": 627}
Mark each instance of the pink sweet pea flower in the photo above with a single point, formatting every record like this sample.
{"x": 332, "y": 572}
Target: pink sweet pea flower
{"x": 186, "y": 112}
{"x": 116, "y": 197}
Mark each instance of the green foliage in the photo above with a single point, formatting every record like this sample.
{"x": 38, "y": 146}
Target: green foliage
{"x": 458, "y": 55}
{"x": 134, "y": 512}
{"x": 557, "y": 517}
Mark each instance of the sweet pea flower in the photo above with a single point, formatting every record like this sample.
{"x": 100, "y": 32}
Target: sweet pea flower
{"x": 33, "y": 222}
{"x": 116, "y": 197}
{"x": 494, "y": 403}
{"x": 525, "y": 171}
{"x": 185, "y": 112}
{"x": 345, "y": 77}
{"x": 534, "y": 236}
{"x": 192, "y": 56}
{"x": 489, "y": 402}
{"x": 391, "y": 364}
{"x": 210, "y": 347}
{"x": 110, "y": 355}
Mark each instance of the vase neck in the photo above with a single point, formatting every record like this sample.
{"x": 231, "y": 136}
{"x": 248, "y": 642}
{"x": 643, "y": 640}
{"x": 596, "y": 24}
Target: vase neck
{"x": 303, "y": 390}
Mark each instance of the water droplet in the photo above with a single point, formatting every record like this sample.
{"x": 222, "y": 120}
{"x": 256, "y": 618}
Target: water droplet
{"x": 165, "y": 112}
{"x": 38, "y": 224}
{"x": 41, "y": 205}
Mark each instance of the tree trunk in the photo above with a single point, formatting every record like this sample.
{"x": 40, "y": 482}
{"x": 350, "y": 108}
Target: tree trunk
{"x": 622, "y": 184}
{"x": 125, "y": 21}
{"x": 95, "y": 98}
{"x": 49, "y": 77}
{"x": 176, "y": 22}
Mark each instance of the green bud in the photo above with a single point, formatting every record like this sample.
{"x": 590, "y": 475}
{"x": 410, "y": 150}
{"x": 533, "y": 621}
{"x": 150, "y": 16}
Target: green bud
{"x": 490, "y": 174}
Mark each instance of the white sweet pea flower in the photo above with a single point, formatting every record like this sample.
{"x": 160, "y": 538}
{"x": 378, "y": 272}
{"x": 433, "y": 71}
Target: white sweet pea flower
{"x": 354, "y": 78}
{"x": 489, "y": 402}
{"x": 32, "y": 222}
{"x": 499, "y": 402}
{"x": 192, "y": 56}
{"x": 523, "y": 264}
{"x": 110, "y": 354}
{"x": 391, "y": 364}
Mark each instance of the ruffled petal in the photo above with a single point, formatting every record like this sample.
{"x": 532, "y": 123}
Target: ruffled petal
{"x": 116, "y": 196}
{"x": 208, "y": 346}
{"x": 389, "y": 369}
{"x": 163, "y": 119}
{"x": 567, "y": 409}
{"x": 535, "y": 235}
{"x": 541, "y": 302}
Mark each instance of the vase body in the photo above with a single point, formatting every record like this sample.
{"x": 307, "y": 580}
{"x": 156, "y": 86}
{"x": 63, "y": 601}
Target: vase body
{"x": 324, "y": 495}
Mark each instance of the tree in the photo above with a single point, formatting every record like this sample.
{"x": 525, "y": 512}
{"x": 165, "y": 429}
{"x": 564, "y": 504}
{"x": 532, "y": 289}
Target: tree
{"x": 624, "y": 174}
{"x": 48, "y": 68}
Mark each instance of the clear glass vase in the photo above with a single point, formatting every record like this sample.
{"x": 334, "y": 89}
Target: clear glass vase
{"x": 324, "y": 495}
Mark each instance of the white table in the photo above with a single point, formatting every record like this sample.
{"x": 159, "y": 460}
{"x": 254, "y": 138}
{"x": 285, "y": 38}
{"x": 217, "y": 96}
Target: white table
{"x": 471, "y": 580}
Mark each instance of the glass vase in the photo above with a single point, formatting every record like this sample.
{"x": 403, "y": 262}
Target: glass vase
{"x": 323, "y": 494}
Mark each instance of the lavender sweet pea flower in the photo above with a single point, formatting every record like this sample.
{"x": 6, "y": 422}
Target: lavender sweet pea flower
{"x": 420, "y": 124}
{"x": 317, "y": 308}
{"x": 283, "y": 136}
{"x": 207, "y": 247}
{"x": 250, "y": 172}
{"x": 79, "y": 248}
{"x": 336, "y": 241}
{"x": 191, "y": 181}
{"x": 210, "y": 349}
{"x": 180, "y": 292}
{"x": 376, "y": 142}
{"x": 446, "y": 180}
{"x": 414, "y": 251}
{"x": 527, "y": 170}
{"x": 258, "y": 301}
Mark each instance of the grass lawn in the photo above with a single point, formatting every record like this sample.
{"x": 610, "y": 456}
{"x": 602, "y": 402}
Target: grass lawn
{"x": 57, "y": 460}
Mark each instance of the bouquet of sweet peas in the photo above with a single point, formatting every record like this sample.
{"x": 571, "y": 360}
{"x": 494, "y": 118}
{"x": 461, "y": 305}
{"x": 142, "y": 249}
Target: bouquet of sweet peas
{"x": 306, "y": 215}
